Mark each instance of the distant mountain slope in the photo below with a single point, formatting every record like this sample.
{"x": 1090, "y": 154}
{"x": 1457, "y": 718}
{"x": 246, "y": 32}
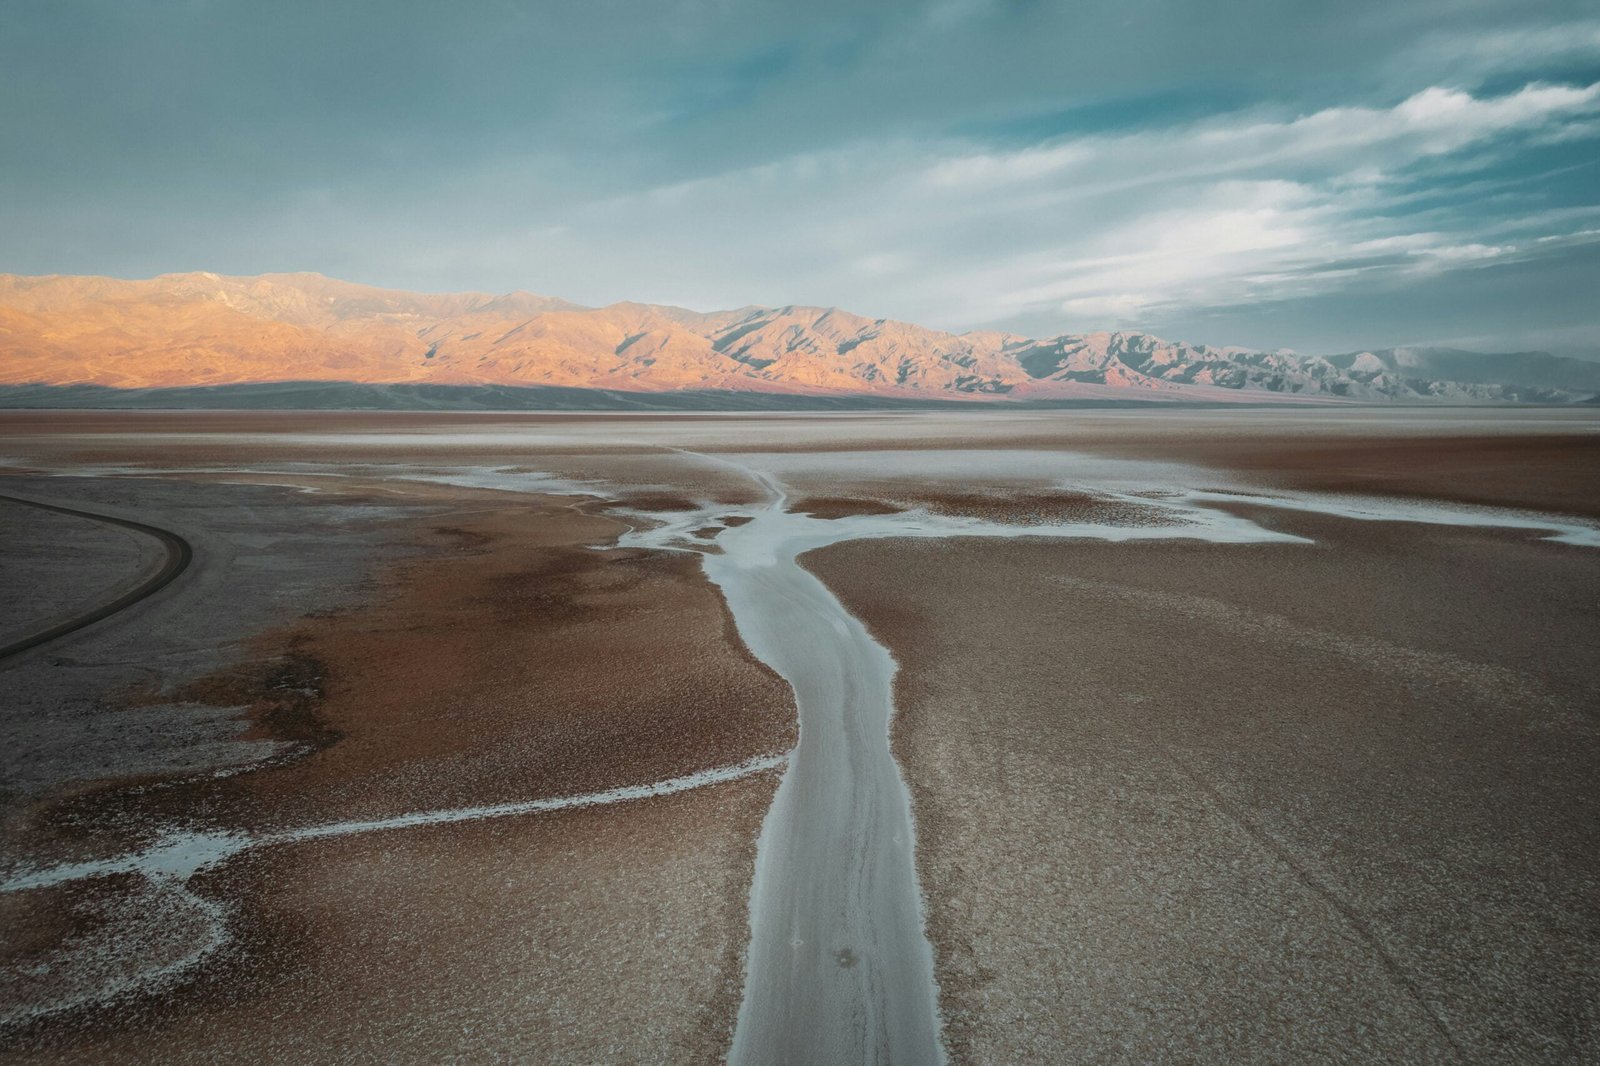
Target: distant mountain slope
{"x": 1539, "y": 370}
{"x": 185, "y": 330}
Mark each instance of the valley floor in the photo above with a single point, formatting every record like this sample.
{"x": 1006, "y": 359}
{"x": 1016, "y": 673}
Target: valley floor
{"x": 1227, "y": 735}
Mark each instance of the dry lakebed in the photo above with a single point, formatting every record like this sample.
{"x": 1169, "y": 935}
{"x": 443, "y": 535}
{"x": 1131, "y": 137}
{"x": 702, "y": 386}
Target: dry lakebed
{"x": 1246, "y": 735}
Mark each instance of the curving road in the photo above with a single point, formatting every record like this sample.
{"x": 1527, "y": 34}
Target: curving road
{"x": 179, "y": 555}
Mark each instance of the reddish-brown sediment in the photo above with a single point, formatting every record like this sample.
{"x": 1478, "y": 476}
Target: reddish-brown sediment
{"x": 599, "y": 935}
{"x": 509, "y": 661}
{"x": 521, "y": 662}
{"x": 1174, "y": 799}
{"x": 1555, "y": 472}
{"x": 1181, "y": 800}
{"x": 1010, "y": 505}
{"x": 831, "y": 507}
{"x": 659, "y": 501}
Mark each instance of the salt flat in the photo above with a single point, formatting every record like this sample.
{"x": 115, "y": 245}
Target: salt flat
{"x": 1060, "y": 735}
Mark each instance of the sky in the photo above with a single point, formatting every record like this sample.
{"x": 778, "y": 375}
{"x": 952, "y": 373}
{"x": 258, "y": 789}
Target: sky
{"x": 1309, "y": 175}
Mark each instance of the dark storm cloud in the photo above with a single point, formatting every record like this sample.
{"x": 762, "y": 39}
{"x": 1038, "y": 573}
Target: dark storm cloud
{"x": 960, "y": 162}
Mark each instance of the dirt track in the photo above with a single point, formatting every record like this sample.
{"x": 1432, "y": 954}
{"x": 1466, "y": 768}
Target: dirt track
{"x": 178, "y": 554}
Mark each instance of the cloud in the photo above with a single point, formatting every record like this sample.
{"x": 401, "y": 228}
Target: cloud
{"x": 959, "y": 162}
{"x": 1222, "y": 211}
{"x": 1338, "y": 140}
{"x": 1190, "y": 217}
{"x": 1487, "y": 51}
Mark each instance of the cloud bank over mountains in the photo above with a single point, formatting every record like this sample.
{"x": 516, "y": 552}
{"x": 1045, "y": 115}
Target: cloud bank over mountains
{"x": 1379, "y": 174}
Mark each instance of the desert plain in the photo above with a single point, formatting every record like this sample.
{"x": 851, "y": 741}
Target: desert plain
{"x": 1245, "y": 735}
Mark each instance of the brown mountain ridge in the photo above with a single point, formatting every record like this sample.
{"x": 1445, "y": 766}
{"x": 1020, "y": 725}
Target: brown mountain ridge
{"x": 201, "y": 329}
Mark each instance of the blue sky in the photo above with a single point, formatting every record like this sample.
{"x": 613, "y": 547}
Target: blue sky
{"x": 1309, "y": 175}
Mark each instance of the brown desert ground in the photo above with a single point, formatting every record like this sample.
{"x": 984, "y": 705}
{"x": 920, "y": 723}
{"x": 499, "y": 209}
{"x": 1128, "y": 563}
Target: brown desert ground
{"x": 1213, "y": 802}
{"x": 1175, "y": 800}
{"x": 482, "y": 652}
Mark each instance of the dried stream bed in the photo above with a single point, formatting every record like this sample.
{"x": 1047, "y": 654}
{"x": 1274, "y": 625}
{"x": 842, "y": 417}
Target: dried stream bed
{"x": 868, "y": 939}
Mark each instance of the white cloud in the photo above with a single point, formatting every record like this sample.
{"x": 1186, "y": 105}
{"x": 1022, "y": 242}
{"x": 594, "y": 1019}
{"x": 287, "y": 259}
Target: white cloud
{"x": 1349, "y": 140}
{"x": 1232, "y": 210}
{"x": 1108, "y": 309}
{"x": 1466, "y": 253}
{"x": 1079, "y": 231}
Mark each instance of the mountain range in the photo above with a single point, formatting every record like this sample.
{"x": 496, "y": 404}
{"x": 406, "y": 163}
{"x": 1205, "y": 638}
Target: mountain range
{"x": 181, "y": 331}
